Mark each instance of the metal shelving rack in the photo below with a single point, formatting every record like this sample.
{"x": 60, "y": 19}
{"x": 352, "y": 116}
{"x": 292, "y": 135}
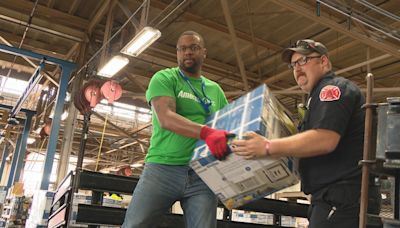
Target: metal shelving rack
{"x": 388, "y": 151}
{"x": 385, "y": 160}
{"x": 98, "y": 183}
{"x": 95, "y": 214}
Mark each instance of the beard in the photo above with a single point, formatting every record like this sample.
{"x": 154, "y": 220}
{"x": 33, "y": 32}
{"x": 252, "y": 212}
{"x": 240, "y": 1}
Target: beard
{"x": 191, "y": 68}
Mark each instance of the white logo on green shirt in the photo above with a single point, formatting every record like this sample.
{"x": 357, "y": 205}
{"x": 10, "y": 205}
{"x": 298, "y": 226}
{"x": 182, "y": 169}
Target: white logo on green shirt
{"x": 187, "y": 95}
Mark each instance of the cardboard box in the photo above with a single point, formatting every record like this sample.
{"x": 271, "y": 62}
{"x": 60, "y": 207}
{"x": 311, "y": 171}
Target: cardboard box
{"x": 237, "y": 181}
{"x": 17, "y": 189}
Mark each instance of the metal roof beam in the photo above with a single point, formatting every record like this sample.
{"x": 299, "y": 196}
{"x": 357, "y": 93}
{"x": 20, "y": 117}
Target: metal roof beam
{"x": 301, "y": 8}
{"x": 232, "y": 33}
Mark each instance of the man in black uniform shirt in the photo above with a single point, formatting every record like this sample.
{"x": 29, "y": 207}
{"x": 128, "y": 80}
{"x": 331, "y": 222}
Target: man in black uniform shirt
{"x": 330, "y": 144}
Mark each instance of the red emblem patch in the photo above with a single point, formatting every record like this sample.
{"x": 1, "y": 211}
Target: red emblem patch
{"x": 329, "y": 93}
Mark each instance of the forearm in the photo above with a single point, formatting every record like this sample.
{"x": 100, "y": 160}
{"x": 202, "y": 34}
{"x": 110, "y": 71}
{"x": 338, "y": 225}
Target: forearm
{"x": 165, "y": 110}
{"x": 180, "y": 125}
{"x": 306, "y": 144}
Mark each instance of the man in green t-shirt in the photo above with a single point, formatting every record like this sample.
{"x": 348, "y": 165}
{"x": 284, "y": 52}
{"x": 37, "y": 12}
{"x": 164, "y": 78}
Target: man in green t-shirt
{"x": 181, "y": 99}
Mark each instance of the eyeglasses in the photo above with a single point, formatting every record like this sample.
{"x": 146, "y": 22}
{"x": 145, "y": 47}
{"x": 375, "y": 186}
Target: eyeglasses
{"x": 302, "y": 61}
{"x": 193, "y": 48}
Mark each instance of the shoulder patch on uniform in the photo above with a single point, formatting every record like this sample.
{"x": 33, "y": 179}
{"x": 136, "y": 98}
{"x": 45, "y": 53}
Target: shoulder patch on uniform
{"x": 329, "y": 93}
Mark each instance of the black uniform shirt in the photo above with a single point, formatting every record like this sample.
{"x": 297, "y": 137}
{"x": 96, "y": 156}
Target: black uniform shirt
{"x": 334, "y": 104}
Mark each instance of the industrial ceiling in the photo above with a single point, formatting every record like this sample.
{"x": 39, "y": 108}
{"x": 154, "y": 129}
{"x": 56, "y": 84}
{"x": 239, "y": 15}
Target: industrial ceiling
{"x": 244, "y": 39}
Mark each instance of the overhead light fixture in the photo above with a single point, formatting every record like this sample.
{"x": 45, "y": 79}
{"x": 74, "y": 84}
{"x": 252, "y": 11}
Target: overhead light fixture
{"x": 136, "y": 165}
{"x": 38, "y": 130}
{"x": 30, "y": 140}
{"x": 67, "y": 97}
{"x": 141, "y": 41}
{"x": 64, "y": 115}
{"x": 113, "y": 66}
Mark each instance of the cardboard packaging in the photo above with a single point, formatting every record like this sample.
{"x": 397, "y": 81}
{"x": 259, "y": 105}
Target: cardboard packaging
{"x": 17, "y": 189}
{"x": 237, "y": 181}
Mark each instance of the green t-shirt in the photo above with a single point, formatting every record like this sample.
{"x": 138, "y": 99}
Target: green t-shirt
{"x": 167, "y": 147}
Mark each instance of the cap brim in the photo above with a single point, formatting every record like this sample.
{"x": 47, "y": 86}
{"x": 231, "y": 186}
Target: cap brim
{"x": 288, "y": 52}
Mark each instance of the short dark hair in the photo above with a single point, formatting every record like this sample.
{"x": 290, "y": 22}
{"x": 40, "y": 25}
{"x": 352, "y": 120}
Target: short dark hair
{"x": 193, "y": 33}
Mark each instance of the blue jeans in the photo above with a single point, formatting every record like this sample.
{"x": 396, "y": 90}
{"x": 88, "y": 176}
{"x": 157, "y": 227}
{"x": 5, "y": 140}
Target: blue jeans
{"x": 160, "y": 186}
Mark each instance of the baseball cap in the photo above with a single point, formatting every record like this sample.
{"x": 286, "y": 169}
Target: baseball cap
{"x": 304, "y": 47}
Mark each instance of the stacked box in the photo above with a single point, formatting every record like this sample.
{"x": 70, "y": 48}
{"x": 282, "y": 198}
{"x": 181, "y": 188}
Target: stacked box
{"x": 40, "y": 209}
{"x": 79, "y": 198}
{"x": 110, "y": 202}
{"x": 237, "y": 181}
{"x": 17, "y": 211}
{"x": 252, "y": 217}
{"x": 17, "y": 189}
{"x": 3, "y": 194}
{"x": 288, "y": 221}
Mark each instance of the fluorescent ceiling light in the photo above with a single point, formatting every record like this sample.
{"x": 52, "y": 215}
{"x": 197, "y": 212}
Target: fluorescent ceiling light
{"x": 67, "y": 97}
{"x": 30, "y": 140}
{"x": 141, "y": 41}
{"x": 113, "y": 66}
{"x": 136, "y": 165}
{"x": 64, "y": 115}
{"x": 38, "y": 130}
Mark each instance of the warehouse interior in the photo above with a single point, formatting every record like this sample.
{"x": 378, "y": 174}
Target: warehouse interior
{"x": 244, "y": 40}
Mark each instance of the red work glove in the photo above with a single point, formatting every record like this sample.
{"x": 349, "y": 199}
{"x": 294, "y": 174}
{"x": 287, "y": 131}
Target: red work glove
{"x": 216, "y": 141}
